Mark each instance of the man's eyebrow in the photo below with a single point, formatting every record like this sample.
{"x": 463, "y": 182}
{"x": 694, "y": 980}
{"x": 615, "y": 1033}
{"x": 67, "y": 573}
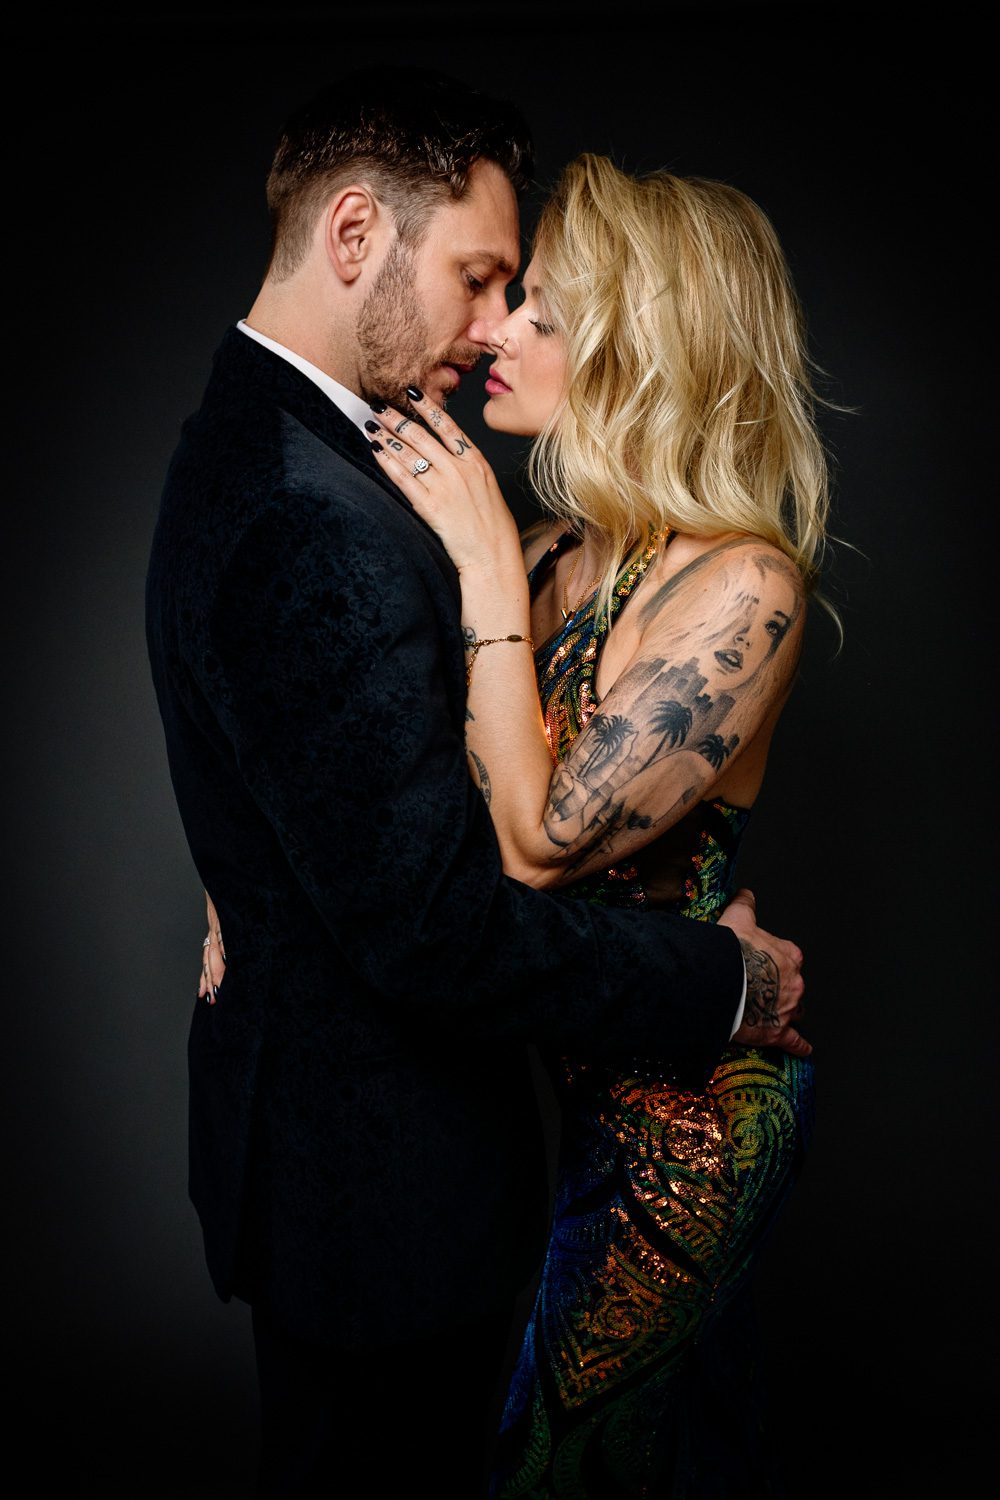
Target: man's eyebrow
{"x": 501, "y": 262}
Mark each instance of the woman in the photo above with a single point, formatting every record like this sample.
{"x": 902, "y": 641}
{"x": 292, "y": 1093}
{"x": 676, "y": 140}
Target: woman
{"x": 657, "y": 359}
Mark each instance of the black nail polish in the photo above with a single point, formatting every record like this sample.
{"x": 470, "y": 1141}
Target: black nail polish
{"x": 414, "y": 394}
{"x": 372, "y": 427}
{"x": 377, "y": 406}
{"x": 376, "y": 447}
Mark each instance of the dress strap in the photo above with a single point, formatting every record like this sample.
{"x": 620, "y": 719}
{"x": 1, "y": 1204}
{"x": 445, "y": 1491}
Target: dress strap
{"x": 632, "y": 570}
{"x": 547, "y": 561}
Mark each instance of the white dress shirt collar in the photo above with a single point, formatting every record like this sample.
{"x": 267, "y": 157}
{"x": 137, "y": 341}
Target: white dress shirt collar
{"x": 351, "y": 405}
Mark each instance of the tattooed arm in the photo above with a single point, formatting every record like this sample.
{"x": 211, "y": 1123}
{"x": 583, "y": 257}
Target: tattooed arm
{"x": 716, "y": 651}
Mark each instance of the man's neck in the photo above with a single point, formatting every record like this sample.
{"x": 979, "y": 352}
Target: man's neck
{"x": 290, "y": 321}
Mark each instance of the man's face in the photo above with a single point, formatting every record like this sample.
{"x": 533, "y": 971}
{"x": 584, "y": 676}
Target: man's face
{"x": 428, "y": 316}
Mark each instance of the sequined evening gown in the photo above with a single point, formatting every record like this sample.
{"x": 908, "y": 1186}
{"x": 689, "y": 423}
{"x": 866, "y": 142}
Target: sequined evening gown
{"x": 637, "y": 1374}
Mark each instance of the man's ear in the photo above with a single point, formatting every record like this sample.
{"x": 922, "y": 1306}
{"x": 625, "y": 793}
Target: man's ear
{"x": 351, "y": 223}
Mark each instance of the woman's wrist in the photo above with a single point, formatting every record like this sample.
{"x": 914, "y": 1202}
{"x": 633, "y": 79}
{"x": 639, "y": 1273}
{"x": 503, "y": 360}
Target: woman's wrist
{"x": 495, "y": 603}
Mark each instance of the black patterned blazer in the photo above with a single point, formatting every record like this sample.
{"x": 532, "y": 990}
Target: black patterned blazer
{"x": 365, "y": 1148}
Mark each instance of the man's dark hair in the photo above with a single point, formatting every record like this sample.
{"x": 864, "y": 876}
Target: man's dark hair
{"x": 410, "y": 133}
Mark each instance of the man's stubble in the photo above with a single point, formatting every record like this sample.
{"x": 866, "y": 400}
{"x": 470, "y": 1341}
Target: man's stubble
{"x": 393, "y": 338}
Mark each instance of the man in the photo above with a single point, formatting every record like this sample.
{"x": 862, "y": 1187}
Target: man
{"x": 365, "y": 1151}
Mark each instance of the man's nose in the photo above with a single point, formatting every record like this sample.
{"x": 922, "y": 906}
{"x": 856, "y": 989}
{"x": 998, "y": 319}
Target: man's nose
{"x": 481, "y": 331}
{"x": 485, "y": 327}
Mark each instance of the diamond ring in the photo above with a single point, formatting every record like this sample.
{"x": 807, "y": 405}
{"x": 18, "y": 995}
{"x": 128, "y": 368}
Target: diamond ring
{"x": 420, "y": 467}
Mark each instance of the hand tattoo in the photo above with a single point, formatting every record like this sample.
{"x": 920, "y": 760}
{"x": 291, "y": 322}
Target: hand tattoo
{"x": 762, "y": 988}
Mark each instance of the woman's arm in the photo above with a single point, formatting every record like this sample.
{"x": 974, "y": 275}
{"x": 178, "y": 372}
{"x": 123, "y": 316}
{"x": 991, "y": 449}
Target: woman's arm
{"x": 717, "y": 649}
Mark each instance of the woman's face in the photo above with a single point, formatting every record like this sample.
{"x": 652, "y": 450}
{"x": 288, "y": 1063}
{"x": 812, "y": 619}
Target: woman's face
{"x": 527, "y": 379}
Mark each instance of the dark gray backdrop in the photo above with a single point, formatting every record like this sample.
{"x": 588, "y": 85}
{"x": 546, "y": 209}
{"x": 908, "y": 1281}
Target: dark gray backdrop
{"x": 138, "y": 151}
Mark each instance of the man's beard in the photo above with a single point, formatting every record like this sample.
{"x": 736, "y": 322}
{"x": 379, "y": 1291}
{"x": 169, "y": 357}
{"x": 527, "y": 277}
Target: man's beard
{"x": 393, "y": 340}
{"x": 394, "y": 343}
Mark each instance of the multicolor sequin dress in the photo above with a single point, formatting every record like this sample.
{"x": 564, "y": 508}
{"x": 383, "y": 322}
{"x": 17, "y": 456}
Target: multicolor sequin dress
{"x": 638, "y": 1374}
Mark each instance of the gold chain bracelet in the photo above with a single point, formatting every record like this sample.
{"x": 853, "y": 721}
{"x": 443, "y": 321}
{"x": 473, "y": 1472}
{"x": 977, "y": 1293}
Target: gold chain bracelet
{"x": 496, "y": 640}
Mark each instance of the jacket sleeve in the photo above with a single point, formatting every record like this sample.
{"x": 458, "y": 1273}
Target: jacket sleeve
{"x": 326, "y": 667}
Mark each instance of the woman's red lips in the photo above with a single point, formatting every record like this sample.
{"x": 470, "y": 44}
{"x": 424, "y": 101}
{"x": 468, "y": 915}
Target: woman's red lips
{"x": 494, "y": 384}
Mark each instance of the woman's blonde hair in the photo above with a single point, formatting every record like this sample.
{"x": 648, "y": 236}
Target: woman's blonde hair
{"x": 688, "y": 397}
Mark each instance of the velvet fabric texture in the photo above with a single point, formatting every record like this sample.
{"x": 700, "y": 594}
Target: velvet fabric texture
{"x": 366, "y": 1154}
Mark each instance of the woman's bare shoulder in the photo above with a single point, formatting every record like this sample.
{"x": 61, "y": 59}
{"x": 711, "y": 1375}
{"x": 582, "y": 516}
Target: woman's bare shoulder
{"x": 693, "y": 568}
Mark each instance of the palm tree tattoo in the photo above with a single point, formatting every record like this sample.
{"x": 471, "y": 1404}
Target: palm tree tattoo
{"x": 671, "y": 721}
{"x": 609, "y": 733}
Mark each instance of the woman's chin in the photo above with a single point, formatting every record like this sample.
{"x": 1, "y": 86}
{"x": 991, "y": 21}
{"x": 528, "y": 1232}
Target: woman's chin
{"x": 501, "y": 421}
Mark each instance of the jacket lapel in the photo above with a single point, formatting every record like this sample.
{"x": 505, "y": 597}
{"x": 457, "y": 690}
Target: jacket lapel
{"x": 242, "y": 360}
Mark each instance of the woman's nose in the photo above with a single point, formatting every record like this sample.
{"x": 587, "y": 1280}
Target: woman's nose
{"x": 491, "y": 330}
{"x": 501, "y": 339}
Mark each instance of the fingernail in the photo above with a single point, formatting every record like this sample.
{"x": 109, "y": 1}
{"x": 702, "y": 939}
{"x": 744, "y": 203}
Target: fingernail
{"x": 372, "y": 427}
{"x": 378, "y": 406}
{"x": 215, "y": 989}
{"x": 376, "y": 447}
{"x": 414, "y": 394}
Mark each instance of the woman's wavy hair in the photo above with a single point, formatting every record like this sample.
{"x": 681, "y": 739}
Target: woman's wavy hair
{"x": 688, "y": 399}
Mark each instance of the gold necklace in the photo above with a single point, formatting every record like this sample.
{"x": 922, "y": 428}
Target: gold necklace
{"x": 565, "y": 610}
